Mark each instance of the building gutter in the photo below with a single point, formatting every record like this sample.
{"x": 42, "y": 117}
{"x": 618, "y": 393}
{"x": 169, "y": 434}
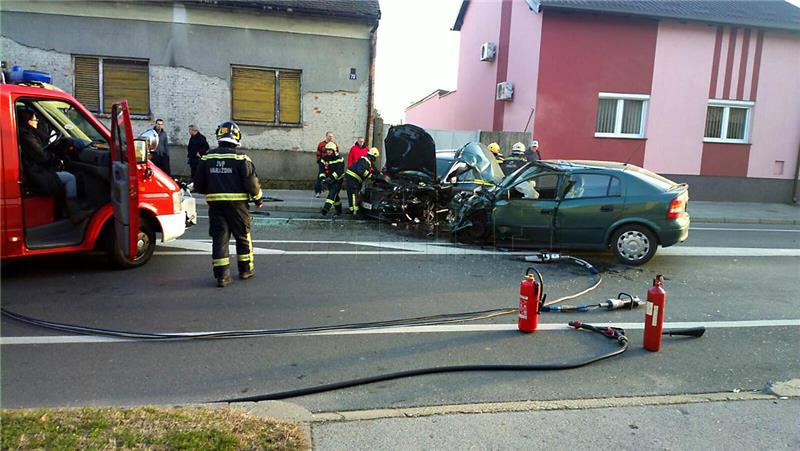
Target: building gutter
{"x": 373, "y": 40}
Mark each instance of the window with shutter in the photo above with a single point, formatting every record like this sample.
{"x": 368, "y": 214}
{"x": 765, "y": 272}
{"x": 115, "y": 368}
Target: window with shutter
{"x": 266, "y": 96}
{"x": 101, "y": 82}
{"x": 87, "y": 82}
{"x": 289, "y": 88}
{"x": 126, "y": 80}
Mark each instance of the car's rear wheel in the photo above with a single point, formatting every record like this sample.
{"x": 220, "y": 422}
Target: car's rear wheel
{"x": 146, "y": 245}
{"x": 634, "y": 244}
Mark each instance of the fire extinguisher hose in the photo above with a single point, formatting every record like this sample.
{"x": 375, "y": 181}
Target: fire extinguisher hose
{"x": 615, "y": 334}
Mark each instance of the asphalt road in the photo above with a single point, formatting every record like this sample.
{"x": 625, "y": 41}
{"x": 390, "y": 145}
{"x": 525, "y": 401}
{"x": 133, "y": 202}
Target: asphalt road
{"x": 312, "y": 272}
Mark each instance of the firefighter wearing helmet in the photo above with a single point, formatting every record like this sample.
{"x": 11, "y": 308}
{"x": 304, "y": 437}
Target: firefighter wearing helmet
{"x": 359, "y": 172}
{"x": 228, "y": 179}
{"x": 494, "y": 148}
{"x": 516, "y": 160}
{"x": 332, "y": 177}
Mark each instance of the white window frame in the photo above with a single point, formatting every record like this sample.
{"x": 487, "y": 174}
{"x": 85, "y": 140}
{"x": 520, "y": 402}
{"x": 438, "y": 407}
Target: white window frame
{"x": 726, "y": 108}
{"x": 621, "y": 98}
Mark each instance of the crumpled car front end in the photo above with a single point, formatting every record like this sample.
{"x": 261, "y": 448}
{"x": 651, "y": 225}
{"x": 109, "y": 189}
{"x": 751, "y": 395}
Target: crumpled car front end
{"x": 470, "y": 214}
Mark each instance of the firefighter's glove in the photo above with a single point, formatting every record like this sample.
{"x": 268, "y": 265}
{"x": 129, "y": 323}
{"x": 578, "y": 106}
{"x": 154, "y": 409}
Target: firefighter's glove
{"x": 259, "y": 203}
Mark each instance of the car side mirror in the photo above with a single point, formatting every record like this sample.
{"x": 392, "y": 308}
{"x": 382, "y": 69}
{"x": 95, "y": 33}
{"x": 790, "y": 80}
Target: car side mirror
{"x": 141, "y": 148}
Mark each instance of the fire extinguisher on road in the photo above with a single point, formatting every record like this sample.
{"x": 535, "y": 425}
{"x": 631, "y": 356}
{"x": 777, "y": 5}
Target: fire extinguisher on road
{"x": 654, "y": 315}
{"x": 530, "y": 301}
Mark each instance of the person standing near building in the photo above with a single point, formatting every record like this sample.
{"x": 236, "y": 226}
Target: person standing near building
{"x": 516, "y": 160}
{"x": 198, "y": 146}
{"x": 333, "y": 175}
{"x": 228, "y": 179}
{"x": 356, "y": 175}
{"x": 329, "y": 138}
{"x": 494, "y": 148}
{"x": 532, "y": 152}
{"x": 161, "y": 154}
{"x": 358, "y": 150}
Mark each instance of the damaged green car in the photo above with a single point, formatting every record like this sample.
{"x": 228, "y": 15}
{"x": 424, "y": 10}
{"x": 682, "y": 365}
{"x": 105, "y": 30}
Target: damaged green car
{"x": 555, "y": 204}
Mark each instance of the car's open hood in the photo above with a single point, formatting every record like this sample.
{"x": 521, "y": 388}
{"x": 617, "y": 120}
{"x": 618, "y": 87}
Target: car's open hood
{"x": 410, "y": 148}
{"x": 479, "y": 157}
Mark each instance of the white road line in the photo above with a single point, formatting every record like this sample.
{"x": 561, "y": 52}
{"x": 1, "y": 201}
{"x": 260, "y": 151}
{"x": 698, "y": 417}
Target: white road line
{"x": 745, "y": 230}
{"x": 695, "y": 251}
{"x": 461, "y": 328}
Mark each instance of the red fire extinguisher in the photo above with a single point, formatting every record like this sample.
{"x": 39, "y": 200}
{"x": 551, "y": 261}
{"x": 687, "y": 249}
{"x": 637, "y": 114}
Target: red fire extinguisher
{"x": 530, "y": 293}
{"x": 654, "y": 315}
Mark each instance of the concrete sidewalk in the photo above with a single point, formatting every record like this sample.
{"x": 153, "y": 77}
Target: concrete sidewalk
{"x": 738, "y": 419}
{"x": 700, "y": 211}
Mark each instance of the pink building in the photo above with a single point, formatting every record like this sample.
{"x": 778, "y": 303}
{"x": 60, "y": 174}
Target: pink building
{"x": 706, "y": 92}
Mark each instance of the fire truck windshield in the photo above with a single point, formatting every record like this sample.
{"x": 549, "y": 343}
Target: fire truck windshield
{"x": 70, "y": 122}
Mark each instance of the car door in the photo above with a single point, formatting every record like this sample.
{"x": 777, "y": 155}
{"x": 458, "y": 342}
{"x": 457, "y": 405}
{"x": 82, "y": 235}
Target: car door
{"x": 124, "y": 181}
{"x": 591, "y": 204}
{"x": 526, "y": 210}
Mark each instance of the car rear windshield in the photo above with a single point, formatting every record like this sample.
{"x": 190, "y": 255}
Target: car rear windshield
{"x": 651, "y": 177}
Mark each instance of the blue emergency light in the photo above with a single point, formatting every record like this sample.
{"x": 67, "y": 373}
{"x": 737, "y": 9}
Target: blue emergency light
{"x": 19, "y": 75}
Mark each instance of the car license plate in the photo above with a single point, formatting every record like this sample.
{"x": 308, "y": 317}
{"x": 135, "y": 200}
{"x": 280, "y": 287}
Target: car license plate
{"x": 366, "y": 205}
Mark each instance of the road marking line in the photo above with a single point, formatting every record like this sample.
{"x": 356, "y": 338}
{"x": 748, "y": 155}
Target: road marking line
{"x": 745, "y": 230}
{"x": 449, "y": 328}
{"x": 696, "y": 251}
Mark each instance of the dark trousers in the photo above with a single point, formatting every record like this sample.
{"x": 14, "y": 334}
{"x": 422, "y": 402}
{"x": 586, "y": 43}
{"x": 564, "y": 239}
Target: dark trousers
{"x": 318, "y": 183}
{"x": 162, "y": 161}
{"x": 226, "y": 219}
{"x": 353, "y": 194}
{"x": 333, "y": 198}
{"x": 193, "y": 166}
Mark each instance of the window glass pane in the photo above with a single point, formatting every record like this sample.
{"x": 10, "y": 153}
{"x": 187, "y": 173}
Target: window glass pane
{"x": 126, "y": 80}
{"x": 615, "y": 188}
{"x": 289, "y": 92}
{"x": 632, "y": 117}
{"x": 606, "y": 114}
{"x": 253, "y": 94}
{"x": 714, "y": 122}
{"x": 588, "y": 185}
{"x": 737, "y": 117}
{"x": 87, "y": 82}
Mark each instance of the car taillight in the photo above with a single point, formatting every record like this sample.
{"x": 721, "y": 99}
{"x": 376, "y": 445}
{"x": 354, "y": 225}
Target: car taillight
{"x": 675, "y": 208}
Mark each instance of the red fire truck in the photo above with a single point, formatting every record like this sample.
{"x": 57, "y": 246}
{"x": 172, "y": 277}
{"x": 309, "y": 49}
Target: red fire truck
{"x": 126, "y": 199}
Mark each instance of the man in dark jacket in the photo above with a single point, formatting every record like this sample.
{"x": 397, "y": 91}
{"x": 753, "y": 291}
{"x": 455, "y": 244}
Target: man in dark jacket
{"x": 228, "y": 179}
{"x": 516, "y": 160}
{"x": 161, "y": 154}
{"x": 198, "y": 146}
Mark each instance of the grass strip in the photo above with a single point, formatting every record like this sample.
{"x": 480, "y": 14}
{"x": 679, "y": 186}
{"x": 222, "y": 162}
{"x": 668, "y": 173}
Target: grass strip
{"x": 148, "y": 428}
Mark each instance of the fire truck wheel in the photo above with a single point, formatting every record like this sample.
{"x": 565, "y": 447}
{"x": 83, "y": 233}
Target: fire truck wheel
{"x": 146, "y": 246}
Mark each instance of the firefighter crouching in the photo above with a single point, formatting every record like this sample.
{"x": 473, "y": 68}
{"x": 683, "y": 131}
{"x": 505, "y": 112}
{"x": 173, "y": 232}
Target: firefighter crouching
{"x": 516, "y": 160}
{"x": 357, "y": 174}
{"x": 228, "y": 179}
{"x": 332, "y": 177}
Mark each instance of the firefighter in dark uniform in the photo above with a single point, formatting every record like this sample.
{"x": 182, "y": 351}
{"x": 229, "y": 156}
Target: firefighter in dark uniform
{"x": 516, "y": 160}
{"x": 357, "y": 174}
{"x": 228, "y": 179}
{"x": 333, "y": 177}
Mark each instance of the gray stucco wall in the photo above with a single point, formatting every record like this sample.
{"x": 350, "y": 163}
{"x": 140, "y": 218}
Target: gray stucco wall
{"x": 736, "y": 189}
{"x": 190, "y": 78}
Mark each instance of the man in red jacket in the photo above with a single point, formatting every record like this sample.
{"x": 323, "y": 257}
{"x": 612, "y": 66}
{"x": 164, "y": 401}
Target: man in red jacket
{"x": 320, "y": 167}
{"x": 358, "y": 150}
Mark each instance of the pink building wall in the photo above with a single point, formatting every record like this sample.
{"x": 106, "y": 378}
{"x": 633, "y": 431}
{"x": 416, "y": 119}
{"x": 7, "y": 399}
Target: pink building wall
{"x": 523, "y": 66}
{"x": 679, "y": 98}
{"x": 775, "y": 134}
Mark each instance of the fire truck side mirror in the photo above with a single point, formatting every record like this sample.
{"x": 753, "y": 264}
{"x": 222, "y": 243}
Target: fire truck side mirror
{"x": 140, "y": 146}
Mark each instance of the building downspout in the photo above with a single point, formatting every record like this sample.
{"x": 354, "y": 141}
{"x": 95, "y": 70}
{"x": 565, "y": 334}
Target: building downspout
{"x": 373, "y": 39}
{"x": 796, "y": 176}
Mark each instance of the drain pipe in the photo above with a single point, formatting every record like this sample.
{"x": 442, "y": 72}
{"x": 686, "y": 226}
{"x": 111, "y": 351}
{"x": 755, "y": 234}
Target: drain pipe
{"x": 796, "y": 176}
{"x": 373, "y": 38}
